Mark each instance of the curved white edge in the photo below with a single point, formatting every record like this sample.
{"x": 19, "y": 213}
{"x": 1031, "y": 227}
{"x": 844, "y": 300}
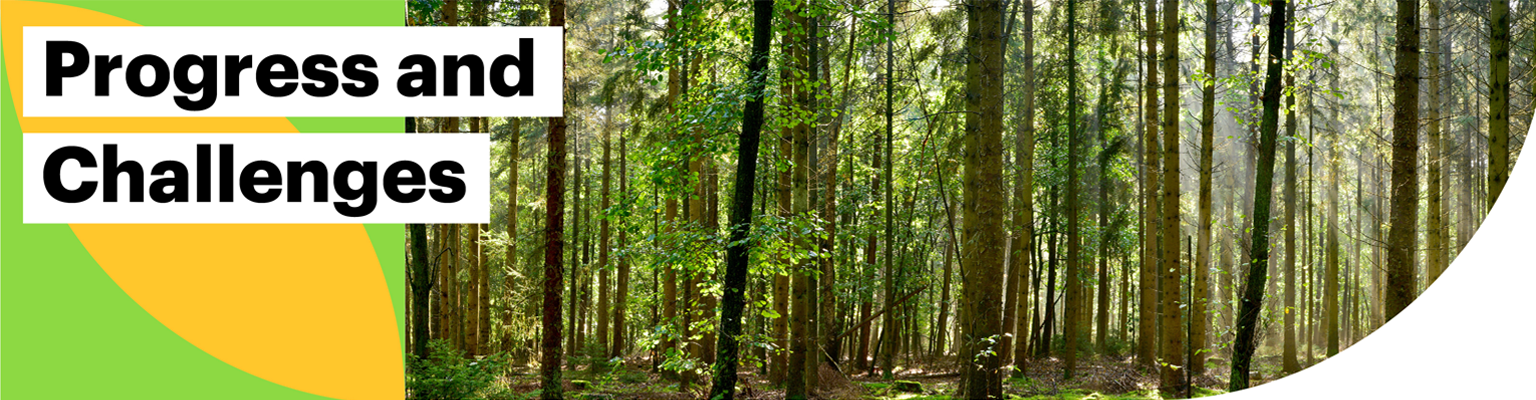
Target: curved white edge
{"x": 1467, "y": 336}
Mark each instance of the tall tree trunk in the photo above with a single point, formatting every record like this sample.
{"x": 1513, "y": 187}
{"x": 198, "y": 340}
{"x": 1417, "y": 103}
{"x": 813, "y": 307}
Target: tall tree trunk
{"x": 554, "y": 241}
{"x": 421, "y": 278}
{"x": 475, "y": 266}
{"x": 669, "y": 298}
{"x": 573, "y": 338}
{"x": 734, "y": 295}
{"x": 1173, "y": 342}
{"x": 1207, "y": 143}
{"x": 1023, "y": 186}
{"x": 621, "y": 296}
{"x": 1072, "y": 332}
{"x": 782, "y": 197}
{"x": 1498, "y": 103}
{"x": 1147, "y": 341}
{"x": 1331, "y": 239}
{"x": 828, "y": 183}
{"x": 800, "y": 309}
{"x": 807, "y": 100}
{"x": 508, "y": 282}
{"x": 1258, "y": 271}
{"x": 1288, "y": 351}
{"x": 985, "y": 202}
{"x": 889, "y": 341}
{"x": 603, "y": 309}
{"x": 1434, "y": 256}
{"x": 1401, "y": 287}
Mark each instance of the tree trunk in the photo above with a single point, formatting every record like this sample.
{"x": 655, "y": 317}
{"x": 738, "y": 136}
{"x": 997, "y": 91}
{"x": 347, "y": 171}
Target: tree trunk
{"x": 889, "y": 341}
{"x": 1072, "y": 332}
{"x": 1498, "y": 105}
{"x": 1023, "y": 187}
{"x": 736, "y": 255}
{"x": 421, "y": 279}
{"x": 1173, "y": 342}
{"x": 985, "y": 201}
{"x": 1258, "y": 271}
{"x": 621, "y": 297}
{"x": 554, "y": 242}
{"x": 1288, "y": 351}
{"x": 1203, "y": 226}
{"x": 1401, "y": 286}
{"x": 508, "y": 282}
{"x": 603, "y": 309}
{"x": 800, "y": 314}
{"x": 1147, "y": 329}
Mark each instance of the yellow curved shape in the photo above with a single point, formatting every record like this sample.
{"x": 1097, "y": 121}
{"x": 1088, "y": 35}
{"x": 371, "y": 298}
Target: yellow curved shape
{"x": 303, "y": 306}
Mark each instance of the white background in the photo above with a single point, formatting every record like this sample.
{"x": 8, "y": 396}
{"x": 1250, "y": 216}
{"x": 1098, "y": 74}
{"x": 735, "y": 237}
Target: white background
{"x": 387, "y": 45}
{"x": 472, "y": 151}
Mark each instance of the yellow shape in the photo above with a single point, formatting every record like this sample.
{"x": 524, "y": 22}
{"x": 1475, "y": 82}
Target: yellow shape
{"x": 30, "y": 13}
{"x": 303, "y": 306}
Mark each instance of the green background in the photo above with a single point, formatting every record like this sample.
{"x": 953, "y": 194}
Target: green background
{"x": 66, "y": 330}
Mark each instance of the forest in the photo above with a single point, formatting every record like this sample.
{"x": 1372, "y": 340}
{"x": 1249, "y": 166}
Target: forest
{"x": 978, "y": 199}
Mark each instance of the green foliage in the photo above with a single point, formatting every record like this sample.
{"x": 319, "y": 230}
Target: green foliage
{"x": 446, "y": 375}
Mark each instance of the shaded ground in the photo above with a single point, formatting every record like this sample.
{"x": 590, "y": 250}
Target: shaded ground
{"x": 1097, "y": 378}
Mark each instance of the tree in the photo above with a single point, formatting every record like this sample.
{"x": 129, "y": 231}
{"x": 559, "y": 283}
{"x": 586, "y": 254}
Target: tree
{"x": 985, "y": 202}
{"x": 888, "y": 332}
{"x": 554, "y": 242}
{"x": 1023, "y": 184}
{"x": 1331, "y": 239}
{"x": 1498, "y": 102}
{"x": 1207, "y": 144}
{"x": 1152, "y": 225}
{"x": 800, "y": 339}
{"x": 1073, "y": 329}
{"x": 1173, "y": 342}
{"x": 1401, "y": 240}
{"x": 734, "y": 298}
{"x": 1288, "y": 351}
{"x": 421, "y": 279}
{"x": 603, "y": 237}
{"x": 1434, "y": 257}
{"x": 508, "y": 282}
{"x": 621, "y": 297}
{"x": 1258, "y": 271}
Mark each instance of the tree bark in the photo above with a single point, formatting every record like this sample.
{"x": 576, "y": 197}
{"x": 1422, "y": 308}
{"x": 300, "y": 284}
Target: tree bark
{"x": 1288, "y": 351}
{"x": 1401, "y": 240}
{"x": 551, "y": 388}
{"x": 1172, "y": 317}
{"x": 734, "y": 295}
{"x": 985, "y": 201}
{"x": 1147, "y": 329}
{"x": 621, "y": 296}
{"x": 1023, "y": 186}
{"x": 1207, "y": 145}
{"x": 1498, "y": 99}
{"x": 1253, "y": 290}
{"x": 1072, "y": 332}
{"x": 508, "y": 282}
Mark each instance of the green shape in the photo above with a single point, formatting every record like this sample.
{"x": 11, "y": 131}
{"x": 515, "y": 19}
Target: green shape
{"x": 250, "y": 13}
{"x": 348, "y": 124}
{"x": 65, "y": 322}
{"x": 388, "y": 246}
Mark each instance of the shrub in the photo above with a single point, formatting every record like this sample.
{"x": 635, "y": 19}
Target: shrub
{"x": 446, "y": 375}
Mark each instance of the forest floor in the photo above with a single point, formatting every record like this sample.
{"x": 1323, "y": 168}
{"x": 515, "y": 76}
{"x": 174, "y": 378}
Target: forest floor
{"x": 1098, "y": 378}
